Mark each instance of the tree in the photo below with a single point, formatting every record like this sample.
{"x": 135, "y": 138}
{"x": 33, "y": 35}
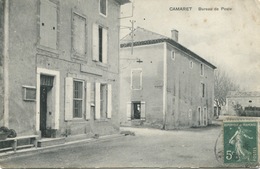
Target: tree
{"x": 223, "y": 84}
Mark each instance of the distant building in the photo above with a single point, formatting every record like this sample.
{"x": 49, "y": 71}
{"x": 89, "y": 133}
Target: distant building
{"x": 245, "y": 99}
{"x": 59, "y": 66}
{"x": 163, "y": 84}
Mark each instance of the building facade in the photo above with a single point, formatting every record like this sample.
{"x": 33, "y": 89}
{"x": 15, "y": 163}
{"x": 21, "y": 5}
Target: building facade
{"x": 162, "y": 83}
{"x": 59, "y": 67}
{"x": 245, "y": 99}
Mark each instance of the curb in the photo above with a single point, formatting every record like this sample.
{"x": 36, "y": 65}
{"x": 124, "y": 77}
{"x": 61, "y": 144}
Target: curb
{"x": 33, "y": 150}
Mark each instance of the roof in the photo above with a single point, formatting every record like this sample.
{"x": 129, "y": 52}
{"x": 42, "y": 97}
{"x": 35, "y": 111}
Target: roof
{"x": 146, "y": 37}
{"x": 122, "y": 2}
{"x": 243, "y": 94}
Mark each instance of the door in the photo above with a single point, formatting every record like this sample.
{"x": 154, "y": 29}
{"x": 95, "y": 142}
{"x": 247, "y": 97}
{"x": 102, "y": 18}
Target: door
{"x": 45, "y": 104}
{"x": 43, "y": 110}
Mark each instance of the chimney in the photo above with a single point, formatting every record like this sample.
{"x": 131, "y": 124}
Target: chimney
{"x": 175, "y": 35}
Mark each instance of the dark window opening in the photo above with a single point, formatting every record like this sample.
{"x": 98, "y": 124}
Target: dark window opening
{"x": 136, "y": 110}
{"x": 100, "y": 43}
{"x": 203, "y": 89}
{"x": 103, "y": 7}
{"x": 250, "y": 101}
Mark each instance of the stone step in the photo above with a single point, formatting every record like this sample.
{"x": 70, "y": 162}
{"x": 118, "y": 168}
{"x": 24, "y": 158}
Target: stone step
{"x": 46, "y": 142}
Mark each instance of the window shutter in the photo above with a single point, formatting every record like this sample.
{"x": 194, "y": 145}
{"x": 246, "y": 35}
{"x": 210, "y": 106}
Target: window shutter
{"x": 52, "y": 35}
{"x": 48, "y": 24}
{"x": 142, "y": 110}
{"x": 97, "y": 101}
{"x": 104, "y": 45}
{"x": 88, "y": 100}
{"x": 79, "y": 34}
{"x": 95, "y": 43}
{"x": 128, "y": 110}
{"x": 68, "y": 98}
{"x": 109, "y": 101}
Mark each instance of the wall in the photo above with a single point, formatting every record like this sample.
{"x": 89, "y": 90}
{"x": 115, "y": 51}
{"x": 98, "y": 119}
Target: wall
{"x": 152, "y": 79}
{"x": 184, "y": 90}
{"x": 243, "y": 101}
{"x": 26, "y": 55}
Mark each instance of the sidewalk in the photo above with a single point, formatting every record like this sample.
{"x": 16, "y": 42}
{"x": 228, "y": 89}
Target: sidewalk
{"x": 29, "y": 151}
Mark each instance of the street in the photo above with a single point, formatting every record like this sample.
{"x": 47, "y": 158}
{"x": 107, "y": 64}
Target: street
{"x": 148, "y": 148}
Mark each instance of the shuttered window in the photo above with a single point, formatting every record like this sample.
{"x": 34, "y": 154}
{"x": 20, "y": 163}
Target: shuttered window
{"x": 74, "y": 99}
{"x": 48, "y": 24}
{"x": 103, "y": 101}
{"x": 77, "y": 99}
{"x": 79, "y": 34}
{"x": 100, "y": 43}
{"x": 136, "y": 79}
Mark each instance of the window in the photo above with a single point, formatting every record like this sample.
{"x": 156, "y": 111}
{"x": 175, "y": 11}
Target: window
{"x": 135, "y": 110}
{"x": 79, "y": 35}
{"x": 29, "y": 93}
{"x": 202, "y": 90}
{"x": 199, "y": 114}
{"x": 191, "y": 64}
{"x": 77, "y": 99}
{"x": 100, "y": 43}
{"x": 136, "y": 79}
{"x": 103, "y": 7}
{"x": 205, "y": 116}
{"x": 172, "y": 55}
{"x": 103, "y": 101}
{"x": 201, "y": 69}
{"x": 48, "y": 24}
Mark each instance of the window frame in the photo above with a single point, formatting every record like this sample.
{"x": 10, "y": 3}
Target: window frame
{"x": 25, "y": 95}
{"x": 75, "y": 53}
{"x": 100, "y": 47}
{"x": 99, "y": 8}
{"x": 78, "y": 99}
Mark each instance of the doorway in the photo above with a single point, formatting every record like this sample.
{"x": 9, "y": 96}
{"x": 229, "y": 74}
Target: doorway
{"x": 46, "y": 107}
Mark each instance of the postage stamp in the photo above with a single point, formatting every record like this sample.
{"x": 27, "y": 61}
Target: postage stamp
{"x": 240, "y": 142}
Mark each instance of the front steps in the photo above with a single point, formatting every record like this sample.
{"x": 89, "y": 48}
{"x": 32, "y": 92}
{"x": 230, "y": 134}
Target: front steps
{"x": 46, "y": 142}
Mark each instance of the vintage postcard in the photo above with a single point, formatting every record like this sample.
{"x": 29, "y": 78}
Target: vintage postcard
{"x": 129, "y": 83}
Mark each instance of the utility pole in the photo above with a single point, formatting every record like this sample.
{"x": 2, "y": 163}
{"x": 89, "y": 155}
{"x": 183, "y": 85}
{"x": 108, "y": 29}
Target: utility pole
{"x": 132, "y": 36}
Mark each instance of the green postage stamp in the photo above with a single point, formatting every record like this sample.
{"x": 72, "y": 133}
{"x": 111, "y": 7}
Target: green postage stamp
{"x": 240, "y": 142}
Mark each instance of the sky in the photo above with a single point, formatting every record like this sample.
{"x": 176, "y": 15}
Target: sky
{"x": 229, "y": 39}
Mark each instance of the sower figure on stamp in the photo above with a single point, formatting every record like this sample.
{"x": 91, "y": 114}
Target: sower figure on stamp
{"x": 237, "y": 140}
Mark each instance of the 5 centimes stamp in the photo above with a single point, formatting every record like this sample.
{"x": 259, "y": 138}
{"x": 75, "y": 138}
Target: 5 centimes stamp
{"x": 240, "y": 142}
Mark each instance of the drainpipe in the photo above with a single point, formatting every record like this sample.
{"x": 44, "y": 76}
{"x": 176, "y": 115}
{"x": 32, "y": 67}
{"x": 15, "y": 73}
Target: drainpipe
{"x": 6, "y": 61}
{"x": 164, "y": 85}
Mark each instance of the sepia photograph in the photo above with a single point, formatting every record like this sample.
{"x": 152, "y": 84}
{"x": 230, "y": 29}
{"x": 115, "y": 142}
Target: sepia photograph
{"x": 129, "y": 84}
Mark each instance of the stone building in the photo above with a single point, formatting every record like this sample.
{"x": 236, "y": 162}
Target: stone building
{"x": 162, "y": 83}
{"x": 243, "y": 98}
{"x": 59, "y": 67}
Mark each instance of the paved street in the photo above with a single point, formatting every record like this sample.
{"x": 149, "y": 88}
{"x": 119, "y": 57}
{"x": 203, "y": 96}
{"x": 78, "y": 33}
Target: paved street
{"x": 148, "y": 148}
